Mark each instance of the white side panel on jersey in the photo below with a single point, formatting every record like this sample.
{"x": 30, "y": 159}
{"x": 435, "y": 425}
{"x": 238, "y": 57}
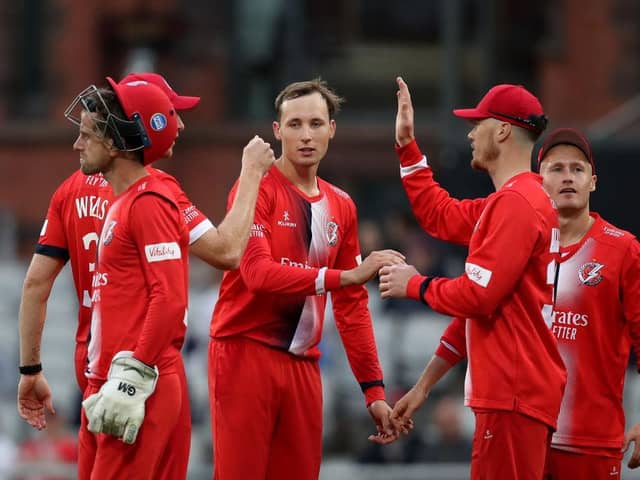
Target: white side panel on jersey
{"x": 565, "y": 422}
{"x": 95, "y": 343}
{"x": 308, "y": 327}
{"x": 569, "y": 290}
{"x": 568, "y": 280}
{"x": 310, "y": 322}
{"x": 468, "y": 386}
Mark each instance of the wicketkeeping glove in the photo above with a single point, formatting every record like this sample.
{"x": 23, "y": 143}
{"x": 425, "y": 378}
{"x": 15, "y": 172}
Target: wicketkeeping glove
{"x": 118, "y": 408}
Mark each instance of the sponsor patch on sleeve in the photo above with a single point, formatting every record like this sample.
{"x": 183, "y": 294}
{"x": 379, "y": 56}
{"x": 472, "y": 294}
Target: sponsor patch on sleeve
{"x": 159, "y": 252}
{"x": 477, "y": 274}
{"x": 257, "y": 230}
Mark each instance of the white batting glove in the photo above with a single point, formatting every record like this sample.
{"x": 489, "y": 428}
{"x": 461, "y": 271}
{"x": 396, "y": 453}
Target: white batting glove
{"x": 118, "y": 408}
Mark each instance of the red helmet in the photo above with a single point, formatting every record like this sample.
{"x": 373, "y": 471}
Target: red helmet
{"x": 180, "y": 102}
{"x": 149, "y": 108}
{"x": 149, "y": 122}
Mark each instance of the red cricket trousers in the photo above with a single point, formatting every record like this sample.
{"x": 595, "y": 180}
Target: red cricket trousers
{"x": 159, "y": 450}
{"x": 508, "y": 446}
{"x": 562, "y": 465}
{"x": 266, "y": 412}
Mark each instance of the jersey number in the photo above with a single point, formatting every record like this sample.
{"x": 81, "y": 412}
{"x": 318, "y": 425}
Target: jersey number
{"x": 87, "y": 240}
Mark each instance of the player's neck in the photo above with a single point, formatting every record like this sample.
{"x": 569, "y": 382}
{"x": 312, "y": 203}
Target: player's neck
{"x": 574, "y": 225}
{"x": 511, "y": 162}
{"x": 126, "y": 173}
{"x": 304, "y": 177}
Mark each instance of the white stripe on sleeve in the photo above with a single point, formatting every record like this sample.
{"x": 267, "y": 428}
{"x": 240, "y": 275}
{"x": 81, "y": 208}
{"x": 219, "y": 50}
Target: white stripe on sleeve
{"x": 451, "y": 348}
{"x": 404, "y": 171}
{"x": 196, "y": 232}
{"x": 320, "y": 287}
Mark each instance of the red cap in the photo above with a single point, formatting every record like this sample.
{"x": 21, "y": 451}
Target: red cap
{"x": 567, "y": 136}
{"x": 509, "y": 103}
{"x": 180, "y": 102}
{"x": 147, "y": 103}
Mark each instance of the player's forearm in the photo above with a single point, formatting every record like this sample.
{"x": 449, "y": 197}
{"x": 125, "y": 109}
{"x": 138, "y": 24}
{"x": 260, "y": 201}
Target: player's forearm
{"x": 31, "y": 321}
{"x": 452, "y": 347}
{"x": 36, "y": 288}
{"x": 455, "y": 297}
{"x": 354, "y": 325}
{"x": 362, "y": 354}
{"x": 163, "y": 323}
{"x": 438, "y": 213}
{"x": 432, "y": 373}
{"x": 233, "y": 231}
{"x": 261, "y": 274}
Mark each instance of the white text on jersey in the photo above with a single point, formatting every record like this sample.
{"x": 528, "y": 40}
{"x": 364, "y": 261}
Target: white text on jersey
{"x": 290, "y": 263}
{"x": 91, "y": 206}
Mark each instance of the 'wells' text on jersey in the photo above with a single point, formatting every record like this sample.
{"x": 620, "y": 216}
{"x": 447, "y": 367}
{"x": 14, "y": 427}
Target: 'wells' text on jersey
{"x": 92, "y": 206}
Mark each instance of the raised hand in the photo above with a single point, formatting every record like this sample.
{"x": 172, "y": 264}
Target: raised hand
{"x": 404, "y": 117}
{"x": 258, "y": 154}
{"x": 34, "y": 396}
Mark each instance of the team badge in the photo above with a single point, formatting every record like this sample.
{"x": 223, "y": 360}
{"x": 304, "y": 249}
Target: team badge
{"x": 108, "y": 232}
{"x": 589, "y": 273}
{"x": 332, "y": 233}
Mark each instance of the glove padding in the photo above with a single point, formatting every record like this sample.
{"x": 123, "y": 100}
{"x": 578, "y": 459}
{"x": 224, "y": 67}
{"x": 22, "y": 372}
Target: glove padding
{"x": 118, "y": 408}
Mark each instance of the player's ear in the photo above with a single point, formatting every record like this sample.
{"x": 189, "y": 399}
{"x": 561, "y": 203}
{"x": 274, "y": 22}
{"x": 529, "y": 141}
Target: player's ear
{"x": 276, "y": 130}
{"x": 503, "y": 131}
{"x": 332, "y": 128}
{"x": 594, "y": 179}
{"x": 108, "y": 142}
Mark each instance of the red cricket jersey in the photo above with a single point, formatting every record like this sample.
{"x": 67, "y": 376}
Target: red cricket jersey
{"x": 73, "y": 224}
{"x": 71, "y": 230}
{"x": 506, "y": 291}
{"x": 140, "y": 285}
{"x": 297, "y": 248}
{"x": 596, "y": 320}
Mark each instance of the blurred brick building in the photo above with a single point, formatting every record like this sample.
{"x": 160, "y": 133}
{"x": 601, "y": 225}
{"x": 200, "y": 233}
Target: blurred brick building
{"x": 580, "y": 56}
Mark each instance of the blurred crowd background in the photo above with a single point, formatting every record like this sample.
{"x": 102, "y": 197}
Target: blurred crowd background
{"x": 581, "y": 57}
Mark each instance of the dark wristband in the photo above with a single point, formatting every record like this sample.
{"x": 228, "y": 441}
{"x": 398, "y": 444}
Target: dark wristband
{"x": 30, "y": 369}
{"x": 423, "y": 288}
{"x": 376, "y": 383}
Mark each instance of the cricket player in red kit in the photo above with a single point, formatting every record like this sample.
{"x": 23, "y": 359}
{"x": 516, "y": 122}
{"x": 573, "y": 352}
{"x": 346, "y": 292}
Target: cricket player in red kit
{"x": 264, "y": 379}
{"x": 515, "y": 376}
{"x": 71, "y": 231}
{"x": 596, "y": 317}
{"x": 74, "y": 220}
{"x": 138, "y": 306}
{"x": 596, "y": 321}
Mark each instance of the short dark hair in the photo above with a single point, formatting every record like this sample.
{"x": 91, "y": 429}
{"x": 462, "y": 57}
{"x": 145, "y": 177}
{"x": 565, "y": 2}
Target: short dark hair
{"x": 110, "y": 105}
{"x": 301, "y": 89}
{"x": 107, "y": 104}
